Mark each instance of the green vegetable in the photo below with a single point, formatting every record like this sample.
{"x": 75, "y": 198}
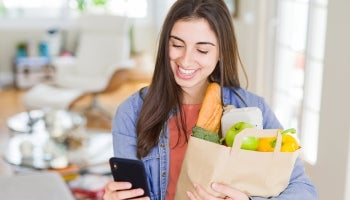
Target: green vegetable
{"x": 201, "y": 133}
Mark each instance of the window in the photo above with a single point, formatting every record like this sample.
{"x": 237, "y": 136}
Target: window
{"x": 33, "y": 8}
{"x": 62, "y": 8}
{"x": 299, "y": 69}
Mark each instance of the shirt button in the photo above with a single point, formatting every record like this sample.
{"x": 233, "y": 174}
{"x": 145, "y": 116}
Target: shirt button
{"x": 163, "y": 174}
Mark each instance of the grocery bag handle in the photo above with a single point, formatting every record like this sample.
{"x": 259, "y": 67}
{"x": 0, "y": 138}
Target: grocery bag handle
{"x": 262, "y": 133}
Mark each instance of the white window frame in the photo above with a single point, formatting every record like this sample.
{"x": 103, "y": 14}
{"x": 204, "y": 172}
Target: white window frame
{"x": 298, "y": 105}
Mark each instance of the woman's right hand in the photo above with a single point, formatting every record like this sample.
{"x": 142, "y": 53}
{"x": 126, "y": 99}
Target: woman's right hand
{"x": 122, "y": 190}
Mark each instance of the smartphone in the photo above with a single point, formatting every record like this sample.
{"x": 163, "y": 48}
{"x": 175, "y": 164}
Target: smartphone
{"x": 129, "y": 170}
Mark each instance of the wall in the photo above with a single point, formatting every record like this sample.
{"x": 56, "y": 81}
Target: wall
{"x": 254, "y": 28}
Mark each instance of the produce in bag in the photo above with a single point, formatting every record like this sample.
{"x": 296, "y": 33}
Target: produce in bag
{"x": 209, "y": 118}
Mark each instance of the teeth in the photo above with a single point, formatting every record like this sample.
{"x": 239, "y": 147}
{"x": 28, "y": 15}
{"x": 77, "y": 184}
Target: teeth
{"x": 187, "y": 71}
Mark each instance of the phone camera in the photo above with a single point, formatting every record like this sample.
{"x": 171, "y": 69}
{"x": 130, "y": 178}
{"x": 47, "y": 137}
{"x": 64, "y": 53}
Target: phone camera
{"x": 115, "y": 166}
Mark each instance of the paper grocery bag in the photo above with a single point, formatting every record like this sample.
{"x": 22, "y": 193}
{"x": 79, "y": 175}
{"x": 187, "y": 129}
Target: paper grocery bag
{"x": 263, "y": 174}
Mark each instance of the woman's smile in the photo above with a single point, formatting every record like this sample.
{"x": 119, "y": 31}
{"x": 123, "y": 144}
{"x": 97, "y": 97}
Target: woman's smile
{"x": 186, "y": 73}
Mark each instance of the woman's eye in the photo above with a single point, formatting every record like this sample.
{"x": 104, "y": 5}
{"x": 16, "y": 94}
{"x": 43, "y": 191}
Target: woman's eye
{"x": 203, "y": 52}
{"x": 177, "y": 46}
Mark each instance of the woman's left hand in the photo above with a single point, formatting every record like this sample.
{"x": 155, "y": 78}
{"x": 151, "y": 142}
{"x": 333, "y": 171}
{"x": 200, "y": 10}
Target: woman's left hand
{"x": 226, "y": 191}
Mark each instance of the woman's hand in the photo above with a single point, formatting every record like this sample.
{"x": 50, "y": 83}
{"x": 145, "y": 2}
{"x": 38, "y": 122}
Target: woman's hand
{"x": 225, "y": 190}
{"x": 122, "y": 190}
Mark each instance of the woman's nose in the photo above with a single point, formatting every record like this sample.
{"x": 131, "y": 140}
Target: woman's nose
{"x": 187, "y": 58}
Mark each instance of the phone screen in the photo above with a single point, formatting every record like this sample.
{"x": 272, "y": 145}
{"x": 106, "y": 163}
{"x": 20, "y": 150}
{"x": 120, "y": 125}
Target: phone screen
{"x": 129, "y": 170}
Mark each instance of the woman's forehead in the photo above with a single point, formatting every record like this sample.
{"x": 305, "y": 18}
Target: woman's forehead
{"x": 197, "y": 29}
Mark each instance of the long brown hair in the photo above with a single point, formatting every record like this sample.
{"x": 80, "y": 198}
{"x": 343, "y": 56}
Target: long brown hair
{"x": 164, "y": 95}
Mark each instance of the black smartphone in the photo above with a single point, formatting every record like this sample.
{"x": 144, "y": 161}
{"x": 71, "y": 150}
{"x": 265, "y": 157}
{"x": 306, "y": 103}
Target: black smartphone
{"x": 129, "y": 170}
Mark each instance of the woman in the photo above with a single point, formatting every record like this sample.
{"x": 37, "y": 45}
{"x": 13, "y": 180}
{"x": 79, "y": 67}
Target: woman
{"x": 197, "y": 46}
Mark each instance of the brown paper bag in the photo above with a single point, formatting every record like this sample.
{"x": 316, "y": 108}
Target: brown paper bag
{"x": 263, "y": 174}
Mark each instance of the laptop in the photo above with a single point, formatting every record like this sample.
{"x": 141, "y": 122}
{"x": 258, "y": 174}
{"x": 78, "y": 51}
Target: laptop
{"x": 35, "y": 186}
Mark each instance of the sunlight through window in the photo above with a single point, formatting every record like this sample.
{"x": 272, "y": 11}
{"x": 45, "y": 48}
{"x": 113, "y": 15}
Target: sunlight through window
{"x": 57, "y": 8}
{"x": 299, "y": 69}
{"x": 25, "y": 4}
{"x": 130, "y": 8}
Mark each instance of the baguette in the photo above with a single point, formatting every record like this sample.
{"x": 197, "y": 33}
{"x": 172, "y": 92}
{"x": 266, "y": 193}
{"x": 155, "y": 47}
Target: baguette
{"x": 209, "y": 118}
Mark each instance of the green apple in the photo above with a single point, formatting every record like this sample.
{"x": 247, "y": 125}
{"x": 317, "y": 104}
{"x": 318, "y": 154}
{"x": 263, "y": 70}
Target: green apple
{"x": 248, "y": 143}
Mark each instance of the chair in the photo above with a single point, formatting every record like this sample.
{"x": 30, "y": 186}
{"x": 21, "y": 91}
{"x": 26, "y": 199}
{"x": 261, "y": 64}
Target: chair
{"x": 35, "y": 185}
{"x": 102, "y": 55}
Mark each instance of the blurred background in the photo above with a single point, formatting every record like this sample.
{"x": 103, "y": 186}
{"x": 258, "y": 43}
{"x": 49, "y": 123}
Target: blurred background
{"x": 295, "y": 53}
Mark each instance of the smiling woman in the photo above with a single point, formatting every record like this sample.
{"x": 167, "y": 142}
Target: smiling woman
{"x": 193, "y": 57}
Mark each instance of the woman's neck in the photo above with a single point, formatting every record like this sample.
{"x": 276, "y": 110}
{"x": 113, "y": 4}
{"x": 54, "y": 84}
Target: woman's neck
{"x": 194, "y": 95}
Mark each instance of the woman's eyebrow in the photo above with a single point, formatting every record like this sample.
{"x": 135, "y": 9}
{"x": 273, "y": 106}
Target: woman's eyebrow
{"x": 177, "y": 38}
{"x": 206, "y": 43}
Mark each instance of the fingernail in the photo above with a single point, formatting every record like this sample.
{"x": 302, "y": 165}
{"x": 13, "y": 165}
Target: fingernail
{"x": 214, "y": 186}
{"x": 140, "y": 191}
{"x": 188, "y": 194}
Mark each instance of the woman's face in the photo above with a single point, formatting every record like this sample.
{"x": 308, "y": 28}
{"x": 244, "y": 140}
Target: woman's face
{"x": 193, "y": 52}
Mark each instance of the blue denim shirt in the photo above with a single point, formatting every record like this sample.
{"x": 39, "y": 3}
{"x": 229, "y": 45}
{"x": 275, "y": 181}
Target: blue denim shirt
{"x": 157, "y": 161}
